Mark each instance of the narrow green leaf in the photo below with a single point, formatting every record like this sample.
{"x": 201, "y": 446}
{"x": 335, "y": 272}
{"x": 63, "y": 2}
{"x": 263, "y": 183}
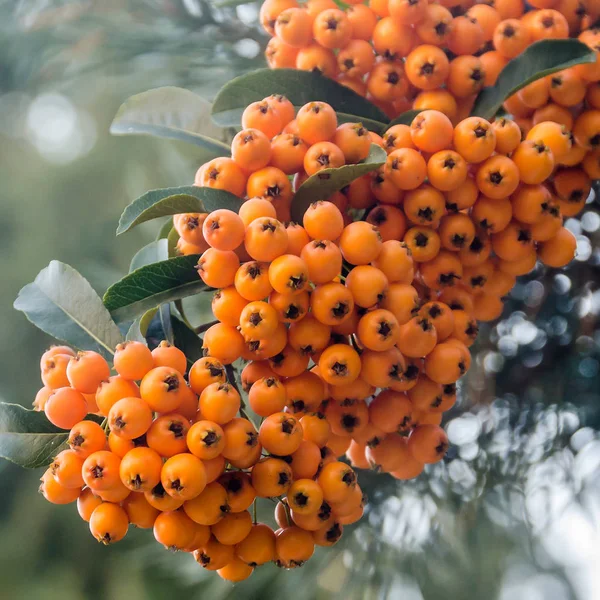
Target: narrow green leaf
{"x": 173, "y": 113}
{"x": 165, "y": 320}
{"x": 139, "y": 328}
{"x": 299, "y": 87}
{"x": 324, "y": 183}
{"x": 153, "y": 285}
{"x": 27, "y": 438}
{"x": 63, "y": 304}
{"x": 172, "y": 240}
{"x": 406, "y": 118}
{"x": 187, "y": 340}
{"x": 173, "y": 201}
{"x": 151, "y": 253}
{"x": 165, "y": 229}
{"x": 540, "y": 59}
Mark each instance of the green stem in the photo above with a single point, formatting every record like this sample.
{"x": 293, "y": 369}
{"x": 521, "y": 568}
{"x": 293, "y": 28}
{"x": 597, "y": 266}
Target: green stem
{"x": 255, "y": 520}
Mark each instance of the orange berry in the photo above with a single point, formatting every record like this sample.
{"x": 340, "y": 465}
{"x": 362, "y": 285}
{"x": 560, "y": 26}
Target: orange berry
{"x": 65, "y": 407}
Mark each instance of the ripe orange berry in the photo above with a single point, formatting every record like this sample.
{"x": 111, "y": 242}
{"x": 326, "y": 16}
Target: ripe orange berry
{"x": 223, "y": 229}
{"x": 339, "y": 364}
{"x": 360, "y": 243}
{"x": 466, "y": 76}
{"x": 402, "y": 300}
{"x": 258, "y": 547}
{"x": 56, "y": 493}
{"x": 224, "y": 343}
{"x": 54, "y": 370}
{"x": 109, "y": 523}
{"x": 337, "y": 480}
{"x": 387, "y": 81}
{"x": 66, "y": 469}
{"x": 86, "y": 437}
{"x": 270, "y": 183}
{"x": 417, "y": 337}
{"x": 288, "y": 274}
{"x": 263, "y": 117}
{"x": 492, "y": 215}
{"x": 498, "y": 177}
{"x": 332, "y": 29}
{"x": 447, "y": 170}
{"x": 294, "y": 27}
{"x": 140, "y": 469}
{"x": 428, "y": 443}
{"x": 378, "y": 330}
{"x": 271, "y": 477}
{"x": 535, "y": 161}
{"x": 86, "y": 503}
{"x": 456, "y": 231}
{"x": 86, "y": 370}
{"x": 161, "y": 389}
{"x": 293, "y": 547}
{"x": 217, "y": 268}
{"x": 219, "y": 402}
{"x": 406, "y": 168}
{"x": 559, "y": 250}
{"x": 251, "y": 149}
{"x": 356, "y": 60}
{"x": 431, "y": 131}
{"x": 305, "y": 497}
{"x": 467, "y": 36}
{"x": 100, "y": 471}
{"x": 427, "y": 67}
{"x": 508, "y": 135}
{"x": 442, "y": 271}
{"x": 474, "y": 139}
{"x": 65, "y": 407}
{"x": 390, "y": 412}
{"x": 287, "y": 154}
{"x": 435, "y": 26}
{"x": 280, "y": 434}
{"x": 266, "y": 239}
{"x": 130, "y": 418}
{"x": 167, "y": 355}
{"x": 511, "y": 37}
{"x": 316, "y": 58}
{"x": 222, "y": 174}
{"x": 367, "y": 284}
{"x": 183, "y": 476}
{"x": 447, "y": 362}
{"x": 323, "y": 155}
{"x": 317, "y": 122}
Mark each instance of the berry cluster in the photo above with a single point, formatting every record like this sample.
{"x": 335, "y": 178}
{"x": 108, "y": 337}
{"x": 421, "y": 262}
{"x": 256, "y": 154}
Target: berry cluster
{"x": 570, "y": 98}
{"x": 178, "y": 459}
{"x": 404, "y": 54}
{"x": 354, "y": 327}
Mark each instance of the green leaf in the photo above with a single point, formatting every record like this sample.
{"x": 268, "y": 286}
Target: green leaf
{"x": 165, "y": 229}
{"x": 406, "y": 118}
{"x": 299, "y": 87}
{"x": 187, "y": 340}
{"x": 151, "y": 253}
{"x": 153, "y": 285}
{"x": 139, "y": 327}
{"x": 63, "y": 304}
{"x": 172, "y": 240}
{"x": 27, "y": 438}
{"x": 540, "y": 59}
{"x": 173, "y": 113}
{"x": 324, "y": 183}
{"x": 173, "y": 201}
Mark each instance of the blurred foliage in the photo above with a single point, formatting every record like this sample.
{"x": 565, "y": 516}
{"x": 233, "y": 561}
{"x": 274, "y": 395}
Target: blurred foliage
{"x": 512, "y": 513}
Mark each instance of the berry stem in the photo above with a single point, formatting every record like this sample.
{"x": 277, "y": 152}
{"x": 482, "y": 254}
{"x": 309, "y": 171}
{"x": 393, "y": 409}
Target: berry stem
{"x": 255, "y": 520}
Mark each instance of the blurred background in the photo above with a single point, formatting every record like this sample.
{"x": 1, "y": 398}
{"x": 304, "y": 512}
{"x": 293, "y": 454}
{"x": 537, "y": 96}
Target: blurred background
{"x": 514, "y": 510}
